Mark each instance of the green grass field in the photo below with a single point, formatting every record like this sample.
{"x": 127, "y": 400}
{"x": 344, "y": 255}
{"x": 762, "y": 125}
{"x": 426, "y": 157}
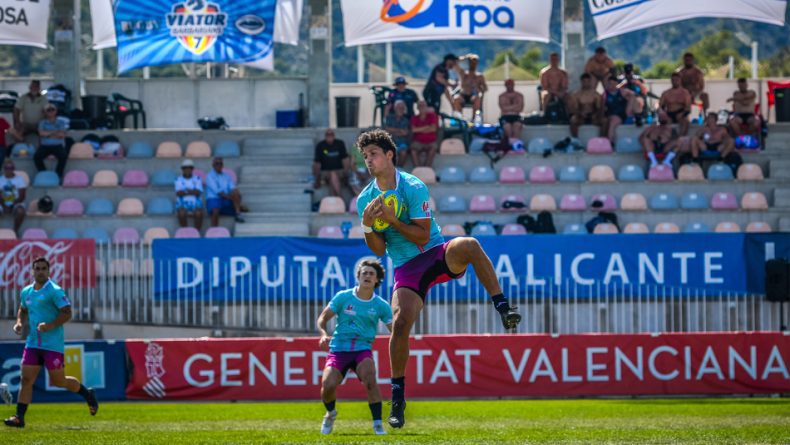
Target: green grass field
{"x": 696, "y": 421}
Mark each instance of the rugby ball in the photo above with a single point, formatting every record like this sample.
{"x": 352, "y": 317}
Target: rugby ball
{"x": 391, "y": 199}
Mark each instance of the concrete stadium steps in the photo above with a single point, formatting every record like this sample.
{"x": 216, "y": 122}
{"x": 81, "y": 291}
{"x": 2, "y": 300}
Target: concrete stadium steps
{"x": 111, "y": 223}
{"x": 782, "y": 197}
{"x": 265, "y": 173}
{"x": 779, "y": 168}
{"x": 275, "y": 224}
{"x": 120, "y": 166}
{"x": 272, "y": 199}
{"x": 784, "y": 224}
{"x": 279, "y": 145}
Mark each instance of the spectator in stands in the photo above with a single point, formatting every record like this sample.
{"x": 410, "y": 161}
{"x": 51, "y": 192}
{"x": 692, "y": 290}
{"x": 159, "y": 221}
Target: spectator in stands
{"x": 632, "y": 81}
{"x": 553, "y": 82}
{"x": 439, "y": 82}
{"x": 713, "y": 141}
{"x": 676, "y": 103}
{"x": 330, "y": 162}
{"x": 358, "y": 176}
{"x": 222, "y": 196}
{"x": 585, "y": 106}
{"x": 693, "y": 79}
{"x": 603, "y": 217}
{"x": 5, "y": 131}
{"x": 407, "y": 95}
{"x": 13, "y": 190}
{"x": 397, "y": 124}
{"x": 511, "y": 104}
{"x": 614, "y": 103}
{"x": 473, "y": 87}
{"x": 743, "y": 103}
{"x": 188, "y": 190}
{"x": 660, "y": 141}
{"x": 599, "y": 66}
{"x": 424, "y": 128}
{"x": 52, "y": 140}
{"x": 29, "y": 111}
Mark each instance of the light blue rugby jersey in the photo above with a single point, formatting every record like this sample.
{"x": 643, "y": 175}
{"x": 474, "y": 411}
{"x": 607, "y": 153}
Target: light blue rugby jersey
{"x": 43, "y": 306}
{"x": 414, "y": 198}
{"x": 357, "y": 320}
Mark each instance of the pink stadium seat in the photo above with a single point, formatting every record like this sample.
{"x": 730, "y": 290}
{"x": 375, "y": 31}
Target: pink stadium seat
{"x": 187, "y": 232}
{"x": 514, "y": 229}
{"x": 690, "y": 173}
{"x": 633, "y": 201}
{"x": 512, "y": 175}
{"x": 155, "y": 233}
{"x": 200, "y": 173}
{"x": 34, "y": 233}
{"x": 7, "y": 234}
{"x": 333, "y": 232}
{"x": 661, "y": 173}
{"x": 542, "y": 174}
{"x": 425, "y": 174}
{"x": 232, "y": 173}
{"x": 573, "y": 202}
{"x": 105, "y": 178}
{"x": 332, "y": 204}
{"x": 126, "y": 235}
{"x": 24, "y": 177}
{"x": 599, "y": 146}
{"x": 121, "y": 267}
{"x": 452, "y": 146}
{"x": 666, "y": 227}
{"x": 724, "y": 201}
{"x": 727, "y": 227}
{"x": 754, "y": 201}
{"x": 168, "y": 149}
{"x": 81, "y": 150}
{"x": 70, "y": 207}
{"x": 76, "y": 179}
{"x": 135, "y": 178}
{"x": 356, "y": 233}
{"x": 758, "y": 227}
{"x": 513, "y": 199}
{"x": 636, "y": 227}
{"x": 198, "y": 149}
{"x": 130, "y": 207}
{"x": 607, "y": 199}
{"x": 217, "y": 232}
{"x": 453, "y": 230}
{"x": 352, "y": 206}
{"x": 482, "y": 203}
{"x": 542, "y": 202}
{"x": 605, "y": 229}
{"x": 601, "y": 173}
{"x": 750, "y": 172}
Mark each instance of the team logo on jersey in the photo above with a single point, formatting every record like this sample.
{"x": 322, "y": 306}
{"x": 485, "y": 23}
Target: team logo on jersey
{"x": 196, "y": 24}
{"x": 349, "y": 310}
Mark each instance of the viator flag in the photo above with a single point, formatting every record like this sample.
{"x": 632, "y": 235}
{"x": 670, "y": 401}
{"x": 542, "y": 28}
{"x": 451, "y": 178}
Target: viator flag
{"x": 615, "y": 17}
{"x": 379, "y": 21}
{"x": 24, "y": 22}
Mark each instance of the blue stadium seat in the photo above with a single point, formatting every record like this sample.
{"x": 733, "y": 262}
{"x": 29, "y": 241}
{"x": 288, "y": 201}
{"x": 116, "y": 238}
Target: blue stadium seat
{"x": 664, "y": 201}
{"x": 539, "y": 145}
{"x": 631, "y": 173}
{"x": 574, "y": 229}
{"x": 140, "y": 150}
{"x": 694, "y": 201}
{"x": 628, "y": 144}
{"x": 451, "y": 204}
{"x": 46, "y": 179}
{"x": 483, "y": 174}
{"x": 65, "y": 233}
{"x": 227, "y": 149}
{"x": 97, "y": 233}
{"x": 159, "y": 206}
{"x": 697, "y": 228}
{"x": 720, "y": 172}
{"x": 164, "y": 178}
{"x": 100, "y": 207}
{"x": 452, "y": 175}
{"x": 483, "y": 229}
{"x": 572, "y": 173}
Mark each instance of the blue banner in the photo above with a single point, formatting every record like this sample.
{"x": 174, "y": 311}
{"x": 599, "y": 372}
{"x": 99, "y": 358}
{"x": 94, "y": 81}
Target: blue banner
{"x": 159, "y": 32}
{"x": 311, "y": 269}
{"x": 97, "y": 364}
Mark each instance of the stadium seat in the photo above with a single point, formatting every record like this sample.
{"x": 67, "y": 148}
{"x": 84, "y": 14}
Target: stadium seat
{"x": 232, "y": 173}
{"x": 34, "y": 233}
{"x": 512, "y": 175}
{"x": 164, "y": 178}
{"x": 22, "y": 174}
{"x": 452, "y": 204}
{"x": 100, "y": 207}
{"x": 483, "y": 229}
{"x": 660, "y": 173}
{"x": 517, "y": 203}
{"x": 81, "y": 150}
{"x": 482, "y": 203}
{"x": 186, "y": 232}
{"x": 631, "y": 173}
{"x": 46, "y": 179}
{"x": 356, "y": 233}
{"x": 452, "y": 146}
{"x": 513, "y": 229}
{"x": 352, "y": 206}
{"x": 754, "y": 201}
{"x": 758, "y": 227}
{"x": 599, "y": 146}
{"x": 727, "y": 227}
{"x": 608, "y": 201}
{"x": 482, "y": 174}
{"x": 135, "y": 178}
{"x": 198, "y": 149}
{"x": 98, "y": 234}
{"x": 628, "y": 144}
{"x": 605, "y": 229}
{"x": 476, "y": 145}
{"x": 218, "y": 232}
{"x": 22, "y": 150}
{"x": 453, "y": 230}
{"x": 574, "y": 229}
{"x": 155, "y": 233}
{"x": 227, "y": 149}
{"x": 105, "y": 178}
{"x": 750, "y": 172}
{"x": 425, "y": 174}
{"x": 70, "y": 207}
{"x": 720, "y": 172}
{"x": 140, "y": 150}
{"x": 7, "y": 234}
{"x": 541, "y": 202}
{"x": 542, "y": 174}
{"x": 452, "y": 175}
{"x": 130, "y": 207}
{"x": 690, "y": 173}
{"x": 666, "y": 227}
{"x": 601, "y": 173}
{"x": 168, "y": 149}
{"x": 332, "y": 204}
{"x": 573, "y": 202}
{"x": 694, "y": 201}
{"x": 664, "y": 201}
{"x": 697, "y": 228}
{"x": 65, "y": 233}
{"x": 121, "y": 267}
{"x": 539, "y": 145}
{"x": 633, "y": 201}
{"x": 200, "y": 173}
{"x": 333, "y": 232}
{"x": 636, "y": 228}
{"x": 572, "y": 173}
{"x": 159, "y": 206}
{"x": 724, "y": 201}
{"x": 76, "y": 179}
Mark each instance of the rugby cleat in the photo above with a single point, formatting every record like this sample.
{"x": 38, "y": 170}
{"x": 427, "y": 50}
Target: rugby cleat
{"x": 378, "y": 429}
{"x": 14, "y": 422}
{"x": 93, "y": 404}
{"x": 397, "y": 414}
{"x": 329, "y": 422}
{"x": 510, "y": 318}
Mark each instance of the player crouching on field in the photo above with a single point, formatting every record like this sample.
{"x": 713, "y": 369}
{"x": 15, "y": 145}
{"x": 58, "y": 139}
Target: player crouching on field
{"x": 358, "y": 313}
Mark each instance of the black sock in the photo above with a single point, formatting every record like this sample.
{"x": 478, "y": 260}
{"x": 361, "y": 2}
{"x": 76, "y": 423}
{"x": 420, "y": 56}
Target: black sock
{"x": 500, "y": 303}
{"x": 330, "y": 406}
{"x": 83, "y": 391}
{"x": 398, "y": 388}
{"x": 21, "y": 409}
{"x": 375, "y": 410}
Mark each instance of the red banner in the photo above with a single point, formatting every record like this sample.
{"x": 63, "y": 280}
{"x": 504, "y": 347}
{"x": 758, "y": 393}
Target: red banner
{"x": 72, "y": 262}
{"x": 471, "y": 366}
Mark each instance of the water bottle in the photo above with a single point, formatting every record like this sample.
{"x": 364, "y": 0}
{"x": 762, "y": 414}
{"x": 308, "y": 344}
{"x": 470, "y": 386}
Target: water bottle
{"x": 345, "y": 227}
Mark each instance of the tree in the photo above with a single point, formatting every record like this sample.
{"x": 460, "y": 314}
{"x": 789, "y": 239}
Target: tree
{"x": 662, "y": 69}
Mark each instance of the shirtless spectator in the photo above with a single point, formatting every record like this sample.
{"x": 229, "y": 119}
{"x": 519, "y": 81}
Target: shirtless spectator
{"x": 660, "y": 140}
{"x": 614, "y": 103}
{"x": 439, "y": 82}
{"x": 511, "y": 104}
{"x": 473, "y": 86}
{"x": 712, "y": 141}
{"x": 585, "y": 105}
{"x": 600, "y": 66}
{"x": 676, "y": 102}
{"x": 693, "y": 79}
{"x": 633, "y": 82}
{"x": 553, "y": 82}
{"x": 424, "y": 128}
{"x": 743, "y": 102}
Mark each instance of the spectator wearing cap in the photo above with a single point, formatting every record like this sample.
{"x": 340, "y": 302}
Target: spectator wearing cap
{"x": 188, "y": 190}
{"x": 330, "y": 162}
{"x": 407, "y": 95}
{"x": 439, "y": 82}
{"x": 52, "y": 134}
{"x": 222, "y": 196}
{"x": 29, "y": 111}
{"x": 12, "y": 192}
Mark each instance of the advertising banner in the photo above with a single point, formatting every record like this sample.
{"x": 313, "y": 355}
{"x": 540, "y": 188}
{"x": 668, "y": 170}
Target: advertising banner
{"x": 379, "y": 21}
{"x": 24, "y": 22}
{"x": 470, "y": 366}
{"x": 72, "y": 262}
{"x": 615, "y": 17}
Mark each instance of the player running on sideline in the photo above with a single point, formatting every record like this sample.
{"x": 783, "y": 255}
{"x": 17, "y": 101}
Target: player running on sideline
{"x": 358, "y": 313}
{"x": 422, "y": 259}
{"x": 45, "y": 306}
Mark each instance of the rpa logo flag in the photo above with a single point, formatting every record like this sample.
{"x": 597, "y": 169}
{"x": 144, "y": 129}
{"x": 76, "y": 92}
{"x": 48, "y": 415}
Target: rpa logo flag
{"x": 160, "y": 32}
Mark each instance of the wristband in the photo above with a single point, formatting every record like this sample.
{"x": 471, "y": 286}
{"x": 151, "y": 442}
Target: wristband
{"x": 366, "y": 229}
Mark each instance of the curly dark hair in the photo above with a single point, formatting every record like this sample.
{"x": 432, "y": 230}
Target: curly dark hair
{"x": 379, "y": 138}
{"x": 375, "y": 264}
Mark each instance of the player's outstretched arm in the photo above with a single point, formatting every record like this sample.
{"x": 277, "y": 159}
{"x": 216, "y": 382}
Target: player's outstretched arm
{"x": 63, "y": 317}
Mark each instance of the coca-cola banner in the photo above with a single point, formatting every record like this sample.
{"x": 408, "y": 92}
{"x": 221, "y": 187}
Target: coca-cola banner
{"x": 471, "y": 366}
{"x": 72, "y": 262}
